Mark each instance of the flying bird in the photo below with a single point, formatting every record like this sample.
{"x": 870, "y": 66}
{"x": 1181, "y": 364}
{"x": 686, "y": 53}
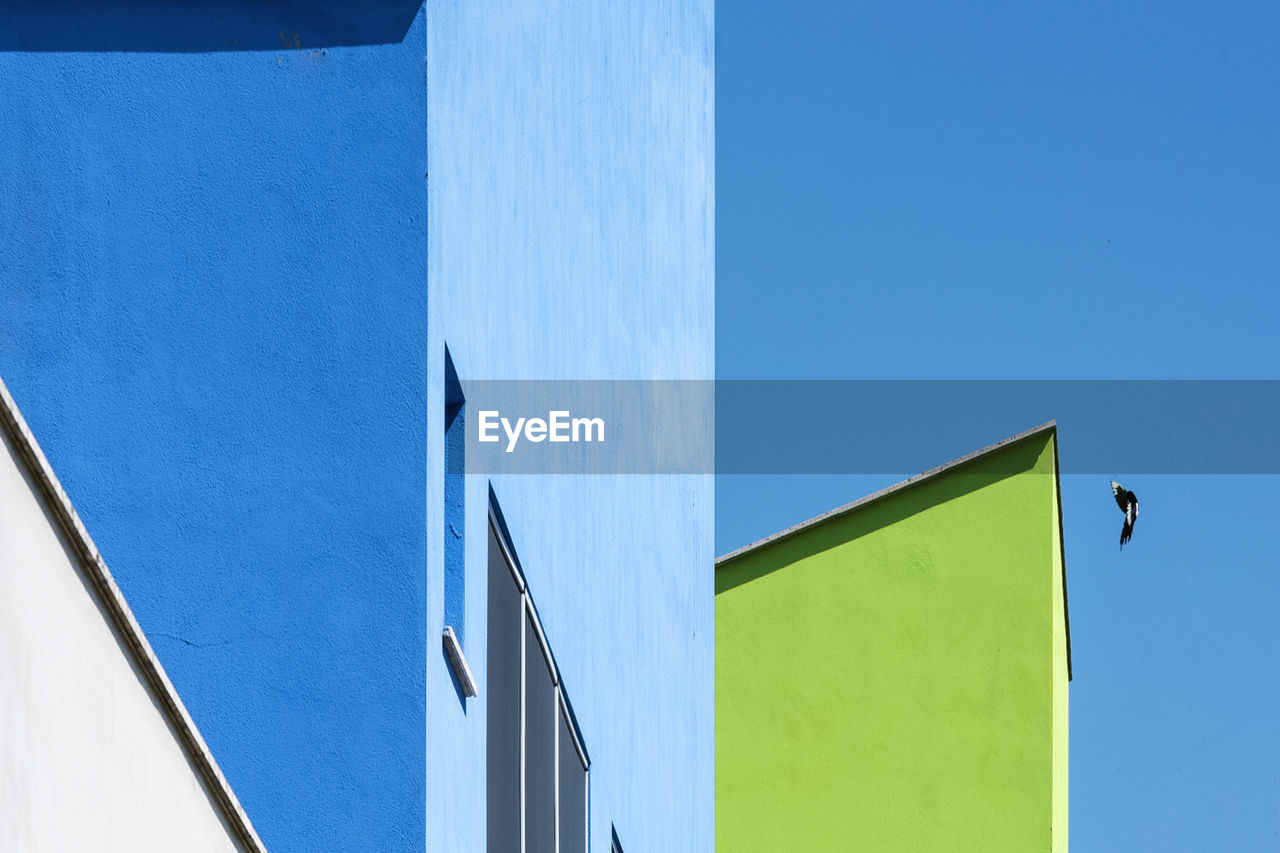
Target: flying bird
{"x": 1128, "y": 503}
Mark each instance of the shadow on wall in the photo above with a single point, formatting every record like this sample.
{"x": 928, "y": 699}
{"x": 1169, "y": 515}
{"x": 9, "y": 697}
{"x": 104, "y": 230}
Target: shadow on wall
{"x": 197, "y": 26}
{"x": 1014, "y": 459}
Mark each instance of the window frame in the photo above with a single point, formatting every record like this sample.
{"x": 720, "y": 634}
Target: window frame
{"x": 563, "y": 708}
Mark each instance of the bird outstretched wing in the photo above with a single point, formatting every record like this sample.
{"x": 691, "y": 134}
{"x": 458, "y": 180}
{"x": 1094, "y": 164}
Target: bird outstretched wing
{"x": 1122, "y": 497}
{"x": 1128, "y": 503}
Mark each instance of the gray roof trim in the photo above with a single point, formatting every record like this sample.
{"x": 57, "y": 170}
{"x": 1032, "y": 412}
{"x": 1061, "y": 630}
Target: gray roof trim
{"x": 1049, "y": 427}
{"x": 104, "y": 585}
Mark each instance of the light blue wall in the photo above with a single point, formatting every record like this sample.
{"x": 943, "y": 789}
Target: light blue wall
{"x": 571, "y": 237}
{"x": 215, "y": 313}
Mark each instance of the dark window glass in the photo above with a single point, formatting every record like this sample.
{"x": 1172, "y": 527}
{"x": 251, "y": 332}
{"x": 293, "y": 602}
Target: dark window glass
{"x": 573, "y": 792}
{"x": 529, "y": 728}
{"x": 539, "y": 748}
{"x": 502, "y": 697}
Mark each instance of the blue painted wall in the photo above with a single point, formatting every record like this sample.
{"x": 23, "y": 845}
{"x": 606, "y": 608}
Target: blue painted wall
{"x": 213, "y": 315}
{"x": 571, "y": 237}
{"x": 216, "y": 239}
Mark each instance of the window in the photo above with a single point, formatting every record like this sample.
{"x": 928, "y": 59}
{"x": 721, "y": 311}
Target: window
{"x": 572, "y": 781}
{"x": 504, "y": 690}
{"x": 536, "y": 763}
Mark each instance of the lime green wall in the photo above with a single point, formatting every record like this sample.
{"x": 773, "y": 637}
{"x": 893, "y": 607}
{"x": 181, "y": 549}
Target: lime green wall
{"x": 889, "y": 680}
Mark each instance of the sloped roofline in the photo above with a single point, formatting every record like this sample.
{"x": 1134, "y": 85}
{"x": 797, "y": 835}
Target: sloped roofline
{"x": 1047, "y": 428}
{"x": 126, "y": 626}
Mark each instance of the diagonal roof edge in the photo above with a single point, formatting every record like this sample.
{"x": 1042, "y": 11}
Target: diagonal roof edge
{"x": 104, "y": 585}
{"x": 1047, "y": 428}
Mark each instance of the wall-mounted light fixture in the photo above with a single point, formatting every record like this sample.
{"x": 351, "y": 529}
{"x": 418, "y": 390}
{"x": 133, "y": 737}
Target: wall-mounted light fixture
{"x": 457, "y": 662}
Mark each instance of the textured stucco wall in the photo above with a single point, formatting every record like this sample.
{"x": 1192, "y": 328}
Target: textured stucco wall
{"x": 213, "y": 315}
{"x": 889, "y": 679}
{"x": 217, "y": 319}
{"x": 571, "y": 223}
{"x": 88, "y": 761}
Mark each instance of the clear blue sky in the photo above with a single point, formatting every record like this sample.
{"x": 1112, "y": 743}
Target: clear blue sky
{"x": 1029, "y": 191}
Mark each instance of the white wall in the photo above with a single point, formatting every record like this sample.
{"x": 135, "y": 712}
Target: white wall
{"x": 88, "y": 760}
